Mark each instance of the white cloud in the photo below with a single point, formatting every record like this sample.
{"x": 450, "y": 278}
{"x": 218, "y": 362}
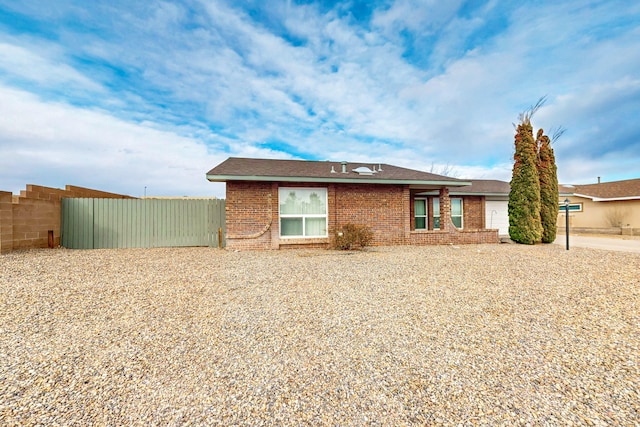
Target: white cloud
{"x": 210, "y": 78}
{"x": 28, "y": 64}
{"x": 46, "y": 142}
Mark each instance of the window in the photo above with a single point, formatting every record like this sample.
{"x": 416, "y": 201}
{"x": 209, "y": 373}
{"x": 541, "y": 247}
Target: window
{"x": 420, "y": 213}
{"x": 456, "y": 212}
{"x": 573, "y": 207}
{"x": 436, "y": 213}
{"x": 303, "y": 212}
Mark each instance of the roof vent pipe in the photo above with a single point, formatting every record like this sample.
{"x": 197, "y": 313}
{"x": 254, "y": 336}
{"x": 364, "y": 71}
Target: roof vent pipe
{"x": 344, "y": 167}
{"x": 598, "y": 180}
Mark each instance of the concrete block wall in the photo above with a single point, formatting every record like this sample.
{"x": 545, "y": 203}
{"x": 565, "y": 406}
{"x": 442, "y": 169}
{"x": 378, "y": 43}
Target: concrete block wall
{"x": 6, "y": 222}
{"x": 27, "y": 220}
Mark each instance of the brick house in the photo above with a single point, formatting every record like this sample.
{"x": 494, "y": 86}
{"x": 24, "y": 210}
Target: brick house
{"x": 276, "y": 204}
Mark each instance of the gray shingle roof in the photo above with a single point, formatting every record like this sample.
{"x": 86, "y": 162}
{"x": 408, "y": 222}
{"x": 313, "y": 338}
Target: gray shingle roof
{"x": 486, "y": 186}
{"x": 246, "y": 169}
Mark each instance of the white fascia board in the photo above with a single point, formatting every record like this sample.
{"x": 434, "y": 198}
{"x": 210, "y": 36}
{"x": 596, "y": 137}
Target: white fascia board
{"x": 224, "y": 178}
{"x": 607, "y": 199}
{"x": 462, "y": 193}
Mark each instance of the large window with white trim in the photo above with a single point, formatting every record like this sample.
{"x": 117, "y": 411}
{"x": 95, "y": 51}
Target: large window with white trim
{"x": 303, "y": 212}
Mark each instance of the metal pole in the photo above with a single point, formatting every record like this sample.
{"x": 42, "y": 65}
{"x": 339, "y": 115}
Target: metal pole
{"x": 566, "y": 227}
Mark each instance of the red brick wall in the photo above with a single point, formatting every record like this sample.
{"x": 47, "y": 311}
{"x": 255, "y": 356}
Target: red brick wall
{"x": 249, "y": 214}
{"x": 462, "y": 237}
{"x": 473, "y": 212}
{"x": 381, "y": 207}
{"x": 252, "y": 216}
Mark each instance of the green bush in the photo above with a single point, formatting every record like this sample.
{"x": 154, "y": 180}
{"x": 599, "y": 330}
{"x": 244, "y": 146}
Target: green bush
{"x": 549, "y": 200}
{"x": 525, "y": 225}
{"x": 353, "y": 236}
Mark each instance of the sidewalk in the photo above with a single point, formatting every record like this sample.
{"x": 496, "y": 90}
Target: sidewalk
{"x": 613, "y": 243}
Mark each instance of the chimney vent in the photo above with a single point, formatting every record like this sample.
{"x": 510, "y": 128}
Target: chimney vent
{"x": 344, "y": 167}
{"x": 333, "y": 170}
{"x": 598, "y": 180}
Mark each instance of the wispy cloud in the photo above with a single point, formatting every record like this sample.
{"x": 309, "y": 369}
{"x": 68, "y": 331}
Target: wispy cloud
{"x": 61, "y": 144}
{"x": 407, "y": 82}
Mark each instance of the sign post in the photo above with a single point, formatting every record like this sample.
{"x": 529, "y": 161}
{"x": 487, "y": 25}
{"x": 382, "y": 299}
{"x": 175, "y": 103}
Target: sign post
{"x": 566, "y": 214}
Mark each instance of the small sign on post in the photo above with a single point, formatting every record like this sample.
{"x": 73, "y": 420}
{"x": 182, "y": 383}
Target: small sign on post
{"x": 566, "y": 214}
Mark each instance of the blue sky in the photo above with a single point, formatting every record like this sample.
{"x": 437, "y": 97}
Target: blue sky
{"x": 122, "y": 95}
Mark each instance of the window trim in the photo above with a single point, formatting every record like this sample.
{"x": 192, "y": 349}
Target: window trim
{"x": 425, "y": 216}
{"x": 304, "y": 216}
{"x": 434, "y": 216}
{"x": 461, "y": 212}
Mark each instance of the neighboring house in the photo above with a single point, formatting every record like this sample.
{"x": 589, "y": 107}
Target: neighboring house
{"x": 604, "y": 205}
{"x": 273, "y": 204}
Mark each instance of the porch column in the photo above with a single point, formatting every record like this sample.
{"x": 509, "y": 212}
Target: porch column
{"x": 445, "y": 210}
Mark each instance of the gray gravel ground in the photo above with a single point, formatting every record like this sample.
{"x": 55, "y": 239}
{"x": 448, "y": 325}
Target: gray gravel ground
{"x": 470, "y": 335}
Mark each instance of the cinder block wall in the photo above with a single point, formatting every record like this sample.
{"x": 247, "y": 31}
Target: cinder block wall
{"x": 27, "y": 219}
{"x": 6, "y": 222}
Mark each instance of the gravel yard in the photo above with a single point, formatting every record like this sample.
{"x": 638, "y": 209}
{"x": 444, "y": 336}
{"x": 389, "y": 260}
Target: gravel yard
{"x": 470, "y": 335}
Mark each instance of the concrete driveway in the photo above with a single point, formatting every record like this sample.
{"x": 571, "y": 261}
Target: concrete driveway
{"x": 609, "y": 243}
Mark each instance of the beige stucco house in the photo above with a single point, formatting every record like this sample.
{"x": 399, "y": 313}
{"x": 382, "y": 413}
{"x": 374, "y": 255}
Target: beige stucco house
{"x": 604, "y": 206}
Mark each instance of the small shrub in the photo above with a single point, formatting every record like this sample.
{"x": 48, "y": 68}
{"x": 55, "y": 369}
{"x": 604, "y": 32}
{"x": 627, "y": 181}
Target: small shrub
{"x": 615, "y": 216}
{"x": 352, "y": 236}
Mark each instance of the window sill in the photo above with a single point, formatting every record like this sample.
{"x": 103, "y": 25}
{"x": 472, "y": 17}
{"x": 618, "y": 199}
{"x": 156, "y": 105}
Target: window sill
{"x": 303, "y": 240}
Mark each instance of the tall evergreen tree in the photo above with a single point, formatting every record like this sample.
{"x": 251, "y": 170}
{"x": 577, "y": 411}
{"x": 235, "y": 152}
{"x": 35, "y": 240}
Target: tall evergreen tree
{"x": 549, "y": 197}
{"x": 524, "y": 198}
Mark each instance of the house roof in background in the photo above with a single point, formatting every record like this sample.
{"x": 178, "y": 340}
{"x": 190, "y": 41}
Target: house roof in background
{"x": 609, "y": 191}
{"x": 247, "y": 169}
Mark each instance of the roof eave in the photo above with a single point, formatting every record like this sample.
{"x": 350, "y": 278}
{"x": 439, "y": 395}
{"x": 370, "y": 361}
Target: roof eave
{"x": 337, "y": 180}
{"x": 606, "y": 199}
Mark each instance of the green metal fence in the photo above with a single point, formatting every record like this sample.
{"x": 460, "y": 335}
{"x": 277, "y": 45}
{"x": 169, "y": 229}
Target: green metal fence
{"x": 141, "y": 223}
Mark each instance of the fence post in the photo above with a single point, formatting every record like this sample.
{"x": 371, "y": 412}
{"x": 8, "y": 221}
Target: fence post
{"x": 219, "y": 237}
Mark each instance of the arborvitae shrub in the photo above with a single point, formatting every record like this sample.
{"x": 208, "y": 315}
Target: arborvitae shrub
{"x": 548, "y": 176}
{"x": 524, "y": 198}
